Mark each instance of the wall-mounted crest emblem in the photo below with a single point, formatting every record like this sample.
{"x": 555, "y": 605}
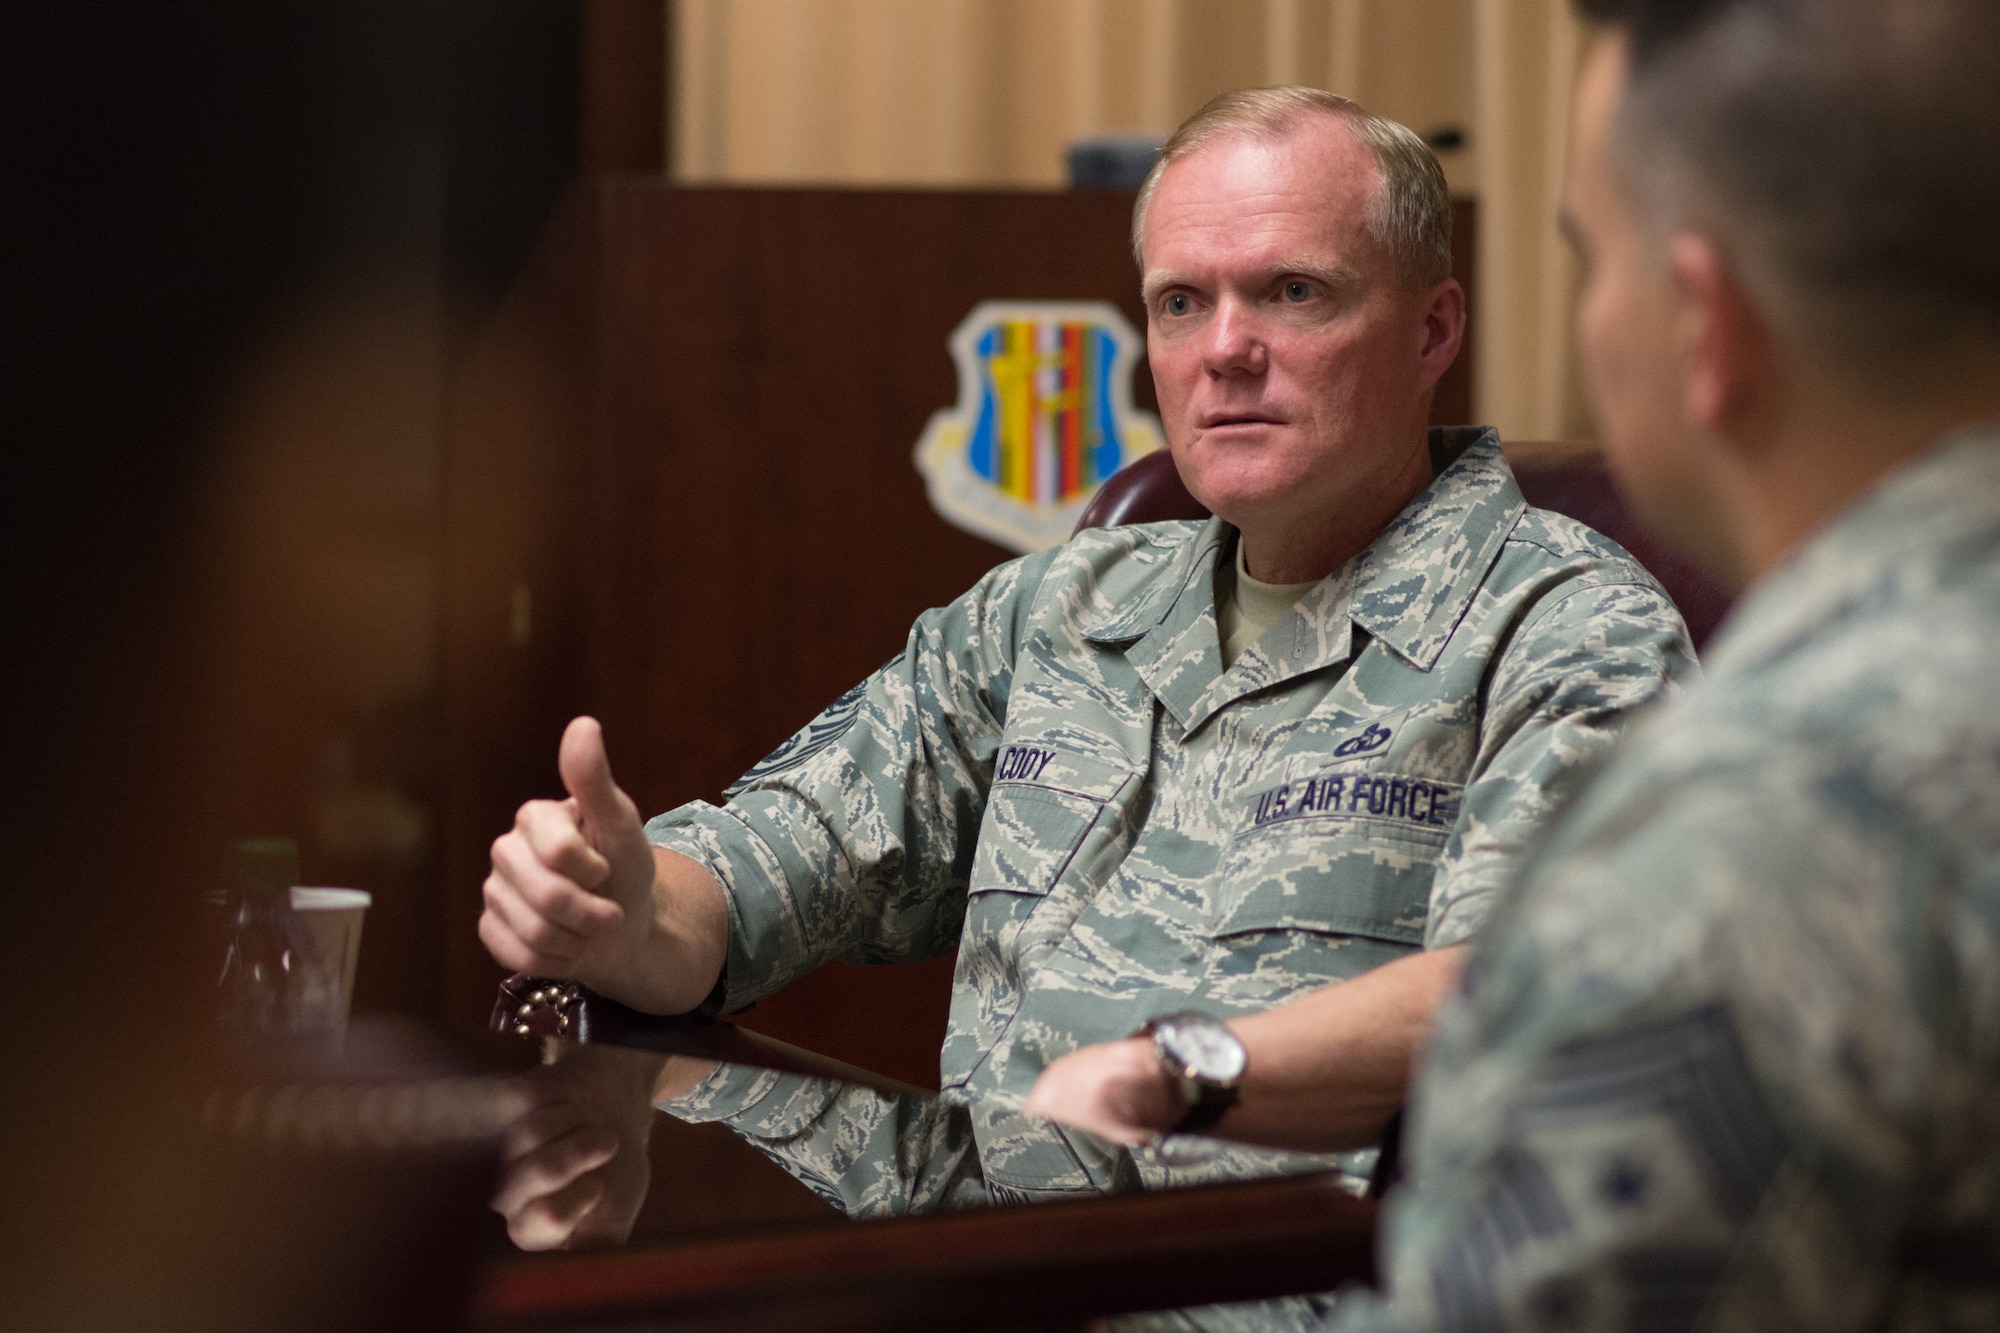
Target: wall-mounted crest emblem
{"x": 1044, "y": 415}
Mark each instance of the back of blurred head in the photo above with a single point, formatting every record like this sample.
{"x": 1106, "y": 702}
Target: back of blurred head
{"x": 1785, "y": 208}
{"x": 1846, "y": 152}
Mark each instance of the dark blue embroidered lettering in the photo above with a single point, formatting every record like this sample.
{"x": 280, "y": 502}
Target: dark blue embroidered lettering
{"x": 1416, "y": 800}
{"x": 1022, "y": 763}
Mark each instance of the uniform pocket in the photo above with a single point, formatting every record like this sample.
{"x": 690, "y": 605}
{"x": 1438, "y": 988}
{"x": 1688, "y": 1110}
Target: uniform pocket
{"x": 1347, "y": 854}
{"x": 1046, "y": 803}
{"x": 1043, "y": 801}
{"x": 1028, "y": 838}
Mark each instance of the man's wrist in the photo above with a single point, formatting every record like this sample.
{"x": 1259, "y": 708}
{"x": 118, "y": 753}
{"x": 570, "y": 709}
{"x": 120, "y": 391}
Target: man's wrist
{"x": 684, "y": 949}
{"x": 653, "y": 972}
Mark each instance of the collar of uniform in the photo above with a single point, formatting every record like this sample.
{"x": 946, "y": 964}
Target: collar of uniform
{"x": 1408, "y": 588}
{"x": 1316, "y": 633}
{"x": 1413, "y": 583}
{"x": 1891, "y": 542}
{"x": 1190, "y": 567}
{"x": 1173, "y": 642}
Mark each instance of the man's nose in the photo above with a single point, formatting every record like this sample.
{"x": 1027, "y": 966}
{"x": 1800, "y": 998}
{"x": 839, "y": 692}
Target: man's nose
{"x": 1235, "y": 342}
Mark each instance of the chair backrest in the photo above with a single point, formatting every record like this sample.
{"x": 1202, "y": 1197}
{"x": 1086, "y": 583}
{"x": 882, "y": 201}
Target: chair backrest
{"x": 1146, "y": 490}
{"x": 1569, "y": 479}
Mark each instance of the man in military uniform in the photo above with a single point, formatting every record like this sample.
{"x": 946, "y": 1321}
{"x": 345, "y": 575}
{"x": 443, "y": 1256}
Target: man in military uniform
{"x": 1168, "y": 767}
{"x": 1730, "y": 1056}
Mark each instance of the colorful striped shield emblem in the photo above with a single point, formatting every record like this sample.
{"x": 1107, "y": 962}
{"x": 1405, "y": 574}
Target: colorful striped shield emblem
{"x": 1044, "y": 415}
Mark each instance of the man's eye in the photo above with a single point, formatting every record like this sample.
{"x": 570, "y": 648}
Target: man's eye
{"x": 1297, "y": 291}
{"x": 1177, "y": 304}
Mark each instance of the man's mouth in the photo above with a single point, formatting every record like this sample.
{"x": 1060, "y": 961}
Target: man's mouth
{"x": 1215, "y": 420}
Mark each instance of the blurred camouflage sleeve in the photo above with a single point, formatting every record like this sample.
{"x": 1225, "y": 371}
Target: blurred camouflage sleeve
{"x": 1724, "y": 1064}
{"x": 865, "y": 1153}
{"x": 853, "y": 840}
{"x": 1559, "y": 698}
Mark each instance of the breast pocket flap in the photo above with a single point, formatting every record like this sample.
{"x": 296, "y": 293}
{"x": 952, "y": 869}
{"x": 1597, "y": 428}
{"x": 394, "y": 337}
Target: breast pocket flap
{"x": 1323, "y": 861}
{"x": 1044, "y": 800}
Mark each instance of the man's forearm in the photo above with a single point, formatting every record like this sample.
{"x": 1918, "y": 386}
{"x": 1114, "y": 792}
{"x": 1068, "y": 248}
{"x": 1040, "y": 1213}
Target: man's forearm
{"x": 1328, "y": 1070}
{"x": 683, "y": 952}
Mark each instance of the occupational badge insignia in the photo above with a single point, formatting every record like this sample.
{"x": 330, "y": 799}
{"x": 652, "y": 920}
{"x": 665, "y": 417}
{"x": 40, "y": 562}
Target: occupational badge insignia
{"x": 1044, "y": 415}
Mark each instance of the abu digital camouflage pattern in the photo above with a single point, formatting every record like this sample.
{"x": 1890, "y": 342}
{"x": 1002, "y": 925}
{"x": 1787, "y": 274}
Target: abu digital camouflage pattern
{"x": 1731, "y": 1055}
{"x": 1058, "y": 777}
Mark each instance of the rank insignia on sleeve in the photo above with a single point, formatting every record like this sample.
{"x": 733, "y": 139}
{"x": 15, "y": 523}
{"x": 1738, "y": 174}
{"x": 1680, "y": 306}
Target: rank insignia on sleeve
{"x": 1044, "y": 415}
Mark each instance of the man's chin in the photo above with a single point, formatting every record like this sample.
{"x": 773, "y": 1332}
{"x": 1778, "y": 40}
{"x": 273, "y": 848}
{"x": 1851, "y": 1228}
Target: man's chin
{"x": 1248, "y": 507}
{"x": 1242, "y": 485}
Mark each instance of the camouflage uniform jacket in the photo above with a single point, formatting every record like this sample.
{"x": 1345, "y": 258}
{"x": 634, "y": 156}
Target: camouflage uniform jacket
{"x": 1731, "y": 1056}
{"x": 1057, "y": 776}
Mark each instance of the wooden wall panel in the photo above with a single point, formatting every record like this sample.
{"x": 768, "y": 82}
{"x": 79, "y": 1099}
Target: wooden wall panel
{"x": 1451, "y": 405}
{"x": 624, "y": 85}
{"x": 514, "y": 432}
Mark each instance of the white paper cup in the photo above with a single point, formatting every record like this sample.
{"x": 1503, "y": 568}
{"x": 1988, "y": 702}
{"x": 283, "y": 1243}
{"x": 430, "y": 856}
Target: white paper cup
{"x": 333, "y": 917}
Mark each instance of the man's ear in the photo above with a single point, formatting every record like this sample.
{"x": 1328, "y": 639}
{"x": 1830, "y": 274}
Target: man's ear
{"x": 1721, "y": 339}
{"x": 1443, "y": 329}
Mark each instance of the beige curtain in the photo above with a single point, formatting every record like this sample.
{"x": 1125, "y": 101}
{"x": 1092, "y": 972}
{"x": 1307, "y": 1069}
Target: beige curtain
{"x": 989, "y": 92}
{"x": 1526, "y": 55}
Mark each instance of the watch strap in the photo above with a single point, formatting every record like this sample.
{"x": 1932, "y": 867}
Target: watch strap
{"x": 1205, "y": 1109}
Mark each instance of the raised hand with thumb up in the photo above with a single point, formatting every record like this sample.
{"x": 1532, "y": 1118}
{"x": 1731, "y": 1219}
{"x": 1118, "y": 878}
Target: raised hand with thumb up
{"x": 576, "y": 891}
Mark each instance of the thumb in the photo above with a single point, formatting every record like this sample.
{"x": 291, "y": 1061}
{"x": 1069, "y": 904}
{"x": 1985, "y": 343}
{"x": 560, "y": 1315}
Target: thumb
{"x": 586, "y": 775}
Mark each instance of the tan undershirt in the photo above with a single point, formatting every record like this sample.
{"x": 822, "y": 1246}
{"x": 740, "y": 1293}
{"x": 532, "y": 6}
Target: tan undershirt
{"x": 1245, "y": 608}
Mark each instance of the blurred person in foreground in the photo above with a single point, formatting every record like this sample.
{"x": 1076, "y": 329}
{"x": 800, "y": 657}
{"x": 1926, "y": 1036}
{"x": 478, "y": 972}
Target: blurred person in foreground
{"x": 1190, "y": 768}
{"x": 1730, "y": 1055}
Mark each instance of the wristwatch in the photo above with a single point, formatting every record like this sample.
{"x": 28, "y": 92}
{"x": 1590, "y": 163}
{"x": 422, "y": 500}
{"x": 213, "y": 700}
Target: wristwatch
{"x": 1206, "y": 1062}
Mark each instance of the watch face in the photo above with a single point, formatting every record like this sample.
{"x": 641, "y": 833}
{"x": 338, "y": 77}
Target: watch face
{"x": 1208, "y": 1049}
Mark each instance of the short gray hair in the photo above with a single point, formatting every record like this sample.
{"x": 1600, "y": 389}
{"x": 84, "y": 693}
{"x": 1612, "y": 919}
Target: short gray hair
{"x": 1846, "y": 151}
{"x": 1411, "y": 213}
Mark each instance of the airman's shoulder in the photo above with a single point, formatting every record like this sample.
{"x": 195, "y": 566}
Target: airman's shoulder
{"x": 1556, "y": 571}
{"x": 1098, "y": 575}
{"x": 1129, "y": 559}
{"x": 1133, "y": 541}
{"x": 1543, "y": 535}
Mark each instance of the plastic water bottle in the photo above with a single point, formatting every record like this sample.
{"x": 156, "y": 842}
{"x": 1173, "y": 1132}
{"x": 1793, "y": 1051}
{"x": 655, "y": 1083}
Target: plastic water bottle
{"x": 255, "y": 990}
